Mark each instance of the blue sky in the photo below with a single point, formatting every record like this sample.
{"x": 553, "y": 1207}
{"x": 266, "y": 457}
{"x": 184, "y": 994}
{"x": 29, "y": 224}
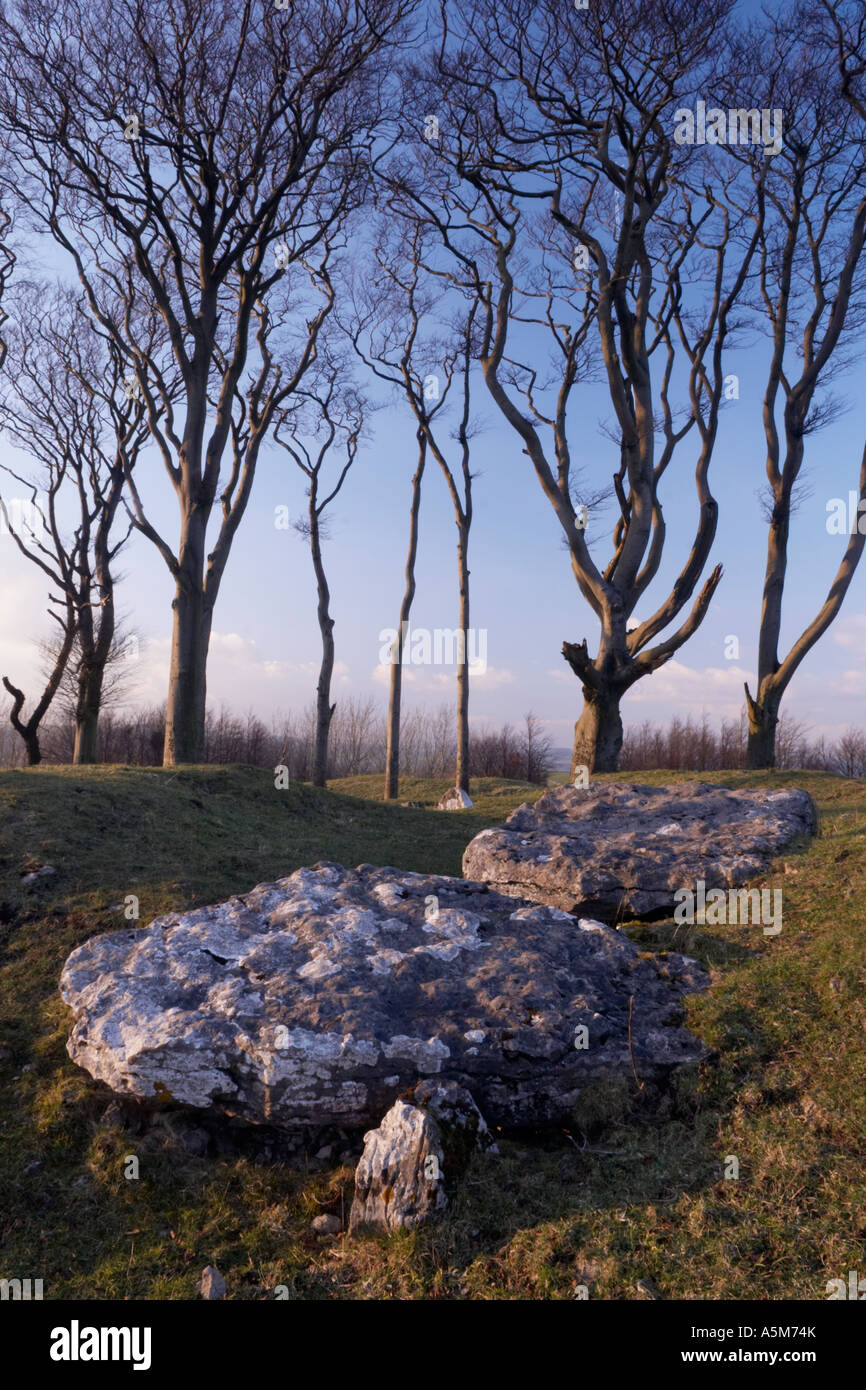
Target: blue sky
{"x": 265, "y": 649}
{"x": 266, "y": 645}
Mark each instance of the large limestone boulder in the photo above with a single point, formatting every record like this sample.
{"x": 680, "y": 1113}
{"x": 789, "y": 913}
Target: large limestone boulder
{"x": 617, "y": 850}
{"x": 320, "y": 998}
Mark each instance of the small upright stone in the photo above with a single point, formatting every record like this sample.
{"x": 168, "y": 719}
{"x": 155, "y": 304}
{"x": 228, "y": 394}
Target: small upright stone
{"x": 211, "y": 1285}
{"x": 455, "y": 799}
{"x": 399, "y": 1180}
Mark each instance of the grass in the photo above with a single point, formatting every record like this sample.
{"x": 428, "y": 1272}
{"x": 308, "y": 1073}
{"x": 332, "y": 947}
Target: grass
{"x": 635, "y": 1189}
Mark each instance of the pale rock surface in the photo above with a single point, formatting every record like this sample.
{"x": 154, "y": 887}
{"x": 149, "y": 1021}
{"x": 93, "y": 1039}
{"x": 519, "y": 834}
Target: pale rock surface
{"x": 417, "y": 1156}
{"x": 619, "y": 850}
{"x": 319, "y": 999}
{"x": 326, "y": 1225}
{"x": 456, "y": 799}
{"x": 399, "y": 1181}
{"x": 212, "y": 1285}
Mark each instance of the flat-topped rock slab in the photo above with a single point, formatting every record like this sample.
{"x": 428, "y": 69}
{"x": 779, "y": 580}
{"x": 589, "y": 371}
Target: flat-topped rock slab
{"x": 618, "y": 850}
{"x": 322, "y": 997}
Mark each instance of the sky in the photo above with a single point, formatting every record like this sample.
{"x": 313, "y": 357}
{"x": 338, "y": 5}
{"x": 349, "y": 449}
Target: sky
{"x": 265, "y": 648}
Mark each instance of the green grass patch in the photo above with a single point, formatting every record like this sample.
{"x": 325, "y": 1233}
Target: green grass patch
{"x": 635, "y": 1189}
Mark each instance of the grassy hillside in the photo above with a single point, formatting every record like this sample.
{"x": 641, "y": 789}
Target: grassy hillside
{"x": 630, "y": 1192}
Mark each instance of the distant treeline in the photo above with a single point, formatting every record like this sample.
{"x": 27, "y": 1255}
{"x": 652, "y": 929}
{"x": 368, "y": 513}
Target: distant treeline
{"x": 357, "y": 742}
{"x": 696, "y": 746}
{"x": 428, "y": 740}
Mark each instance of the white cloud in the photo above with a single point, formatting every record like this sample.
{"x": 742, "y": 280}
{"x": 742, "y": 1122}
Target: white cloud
{"x": 24, "y": 613}
{"x": 717, "y": 689}
{"x": 851, "y": 683}
{"x": 850, "y": 631}
{"x": 238, "y": 675}
{"x": 491, "y": 677}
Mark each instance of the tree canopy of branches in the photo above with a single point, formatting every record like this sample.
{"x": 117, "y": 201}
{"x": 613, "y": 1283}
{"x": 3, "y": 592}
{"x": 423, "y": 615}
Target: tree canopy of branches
{"x": 65, "y": 402}
{"x": 812, "y": 222}
{"x": 200, "y": 156}
{"x": 564, "y": 205}
{"x": 394, "y": 334}
{"x": 326, "y": 417}
{"x": 516, "y": 201}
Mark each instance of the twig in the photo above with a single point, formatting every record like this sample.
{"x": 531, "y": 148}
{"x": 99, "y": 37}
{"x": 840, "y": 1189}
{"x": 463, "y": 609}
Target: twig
{"x": 639, "y": 1084}
{"x": 599, "y": 1153}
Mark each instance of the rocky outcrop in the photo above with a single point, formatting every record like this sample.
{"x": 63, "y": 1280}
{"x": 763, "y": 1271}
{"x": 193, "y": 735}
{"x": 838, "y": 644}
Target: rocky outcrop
{"x": 319, "y": 999}
{"x": 617, "y": 851}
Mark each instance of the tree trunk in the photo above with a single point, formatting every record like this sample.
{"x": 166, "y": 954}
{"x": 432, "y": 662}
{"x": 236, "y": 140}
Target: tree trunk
{"x": 95, "y": 647}
{"x": 392, "y": 749}
{"x": 462, "y": 778}
{"x": 324, "y": 708}
{"x": 187, "y": 690}
{"x": 763, "y": 723}
{"x": 86, "y": 749}
{"x": 598, "y": 732}
{"x": 764, "y": 712}
{"x": 392, "y": 745}
{"x": 91, "y": 675}
{"x": 187, "y": 682}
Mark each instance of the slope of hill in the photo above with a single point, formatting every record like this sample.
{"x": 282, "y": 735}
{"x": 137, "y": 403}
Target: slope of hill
{"x": 631, "y": 1191}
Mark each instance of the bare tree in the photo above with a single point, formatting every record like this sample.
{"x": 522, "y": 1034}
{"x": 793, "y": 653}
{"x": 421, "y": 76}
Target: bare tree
{"x": 330, "y": 413}
{"x": 191, "y": 154}
{"x": 66, "y": 402}
{"x": 535, "y": 748}
{"x": 566, "y": 208}
{"x": 391, "y": 332}
{"x": 850, "y": 753}
{"x": 118, "y": 682}
{"x": 839, "y": 26}
{"x": 28, "y": 729}
{"x": 385, "y": 344}
{"x": 812, "y": 237}
{"x": 459, "y": 487}
{"x": 395, "y": 690}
